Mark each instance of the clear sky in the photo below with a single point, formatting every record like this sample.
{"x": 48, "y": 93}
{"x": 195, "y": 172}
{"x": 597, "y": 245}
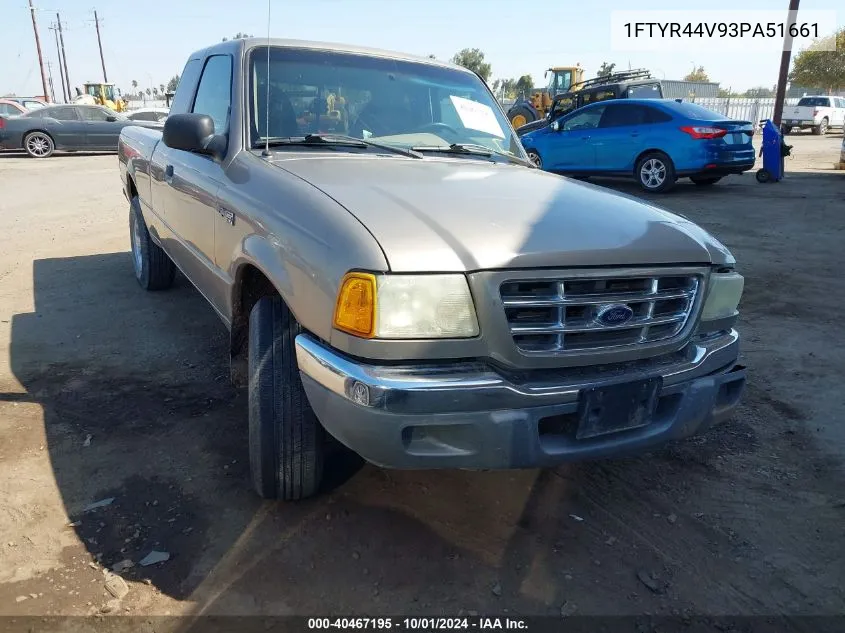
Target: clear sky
{"x": 149, "y": 40}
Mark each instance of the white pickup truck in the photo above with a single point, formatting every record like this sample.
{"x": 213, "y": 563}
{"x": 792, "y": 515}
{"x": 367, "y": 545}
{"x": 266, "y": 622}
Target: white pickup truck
{"x": 817, "y": 113}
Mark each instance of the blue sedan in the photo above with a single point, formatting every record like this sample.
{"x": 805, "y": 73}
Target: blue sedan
{"x": 655, "y": 141}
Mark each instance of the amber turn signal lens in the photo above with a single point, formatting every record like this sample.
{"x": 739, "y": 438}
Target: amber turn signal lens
{"x": 355, "y": 311}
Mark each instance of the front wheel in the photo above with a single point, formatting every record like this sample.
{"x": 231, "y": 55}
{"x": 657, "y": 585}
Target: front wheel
{"x": 655, "y": 172}
{"x": 286, "y": 441}
{"x": 520, "y": 115}
{"x": 534, "y": 157}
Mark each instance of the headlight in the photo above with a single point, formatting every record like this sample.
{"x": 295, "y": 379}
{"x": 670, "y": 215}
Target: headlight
{"x": 723, "y": 296}
{"x": 405, "y": 306}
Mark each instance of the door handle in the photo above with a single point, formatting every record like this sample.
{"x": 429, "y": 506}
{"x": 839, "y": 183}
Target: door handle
{"x": 635, "y": 133}
{"x": 168, "y": 173}
{"x": 585, "y": 138}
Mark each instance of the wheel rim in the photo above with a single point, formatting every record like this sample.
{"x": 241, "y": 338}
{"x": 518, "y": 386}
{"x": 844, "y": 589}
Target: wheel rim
{"x": 38, "y": 145}
{"x": 823, "y": 127}
{"x": 534, "y": 157}
{"x": 518, "y": 121}
{"x": 653, "y": 173}
{"x": 137, "y": 261}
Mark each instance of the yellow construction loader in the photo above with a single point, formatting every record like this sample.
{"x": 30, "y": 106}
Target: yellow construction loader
{"x": 101, "y": 94}
{"x": 532, "y": 107}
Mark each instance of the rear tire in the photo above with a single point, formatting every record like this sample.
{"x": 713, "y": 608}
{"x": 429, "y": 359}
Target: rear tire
{"x": 655, "y": 172}
{"x": 153, "y": 268}
{"x": 821, "y": 129}
{"x": 286, "y": 441}
{"x": 704, "y": 182}
{"x": 39, "y": 145}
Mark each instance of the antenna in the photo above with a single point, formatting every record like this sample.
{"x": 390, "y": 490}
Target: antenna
{"x": 266, "y": 151}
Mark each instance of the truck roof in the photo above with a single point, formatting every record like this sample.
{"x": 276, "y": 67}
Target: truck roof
{"x": 232, "y": 46}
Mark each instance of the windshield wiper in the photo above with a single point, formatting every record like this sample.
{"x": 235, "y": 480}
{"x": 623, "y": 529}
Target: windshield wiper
{"x": 471, "y": 149}
{"x": 332, "y": 139}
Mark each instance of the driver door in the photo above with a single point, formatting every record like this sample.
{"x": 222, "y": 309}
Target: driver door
{"x": 570, "y": 147}
{"x": 100, "y": 133}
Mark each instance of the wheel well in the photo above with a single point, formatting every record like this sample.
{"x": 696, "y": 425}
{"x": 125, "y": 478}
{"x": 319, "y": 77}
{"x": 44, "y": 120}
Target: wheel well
{"x": 653, "y": 150}
{"x": 131, "y": 189}
{"x": 250, "y": 285}
{"x": 45, "y": 132}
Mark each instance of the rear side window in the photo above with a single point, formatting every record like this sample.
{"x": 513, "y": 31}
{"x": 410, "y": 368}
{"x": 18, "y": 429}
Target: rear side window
{"x": 65, "y": 113}
{"x": 214, "y": 95}
{"x": 840, "y": 103}
{"x": 187, "y": 85}
{"x": 8, "y": 110}
{"x": 621, "y": 115}
{"x": 818, "y": 102}
{"x": 645, "y": 91}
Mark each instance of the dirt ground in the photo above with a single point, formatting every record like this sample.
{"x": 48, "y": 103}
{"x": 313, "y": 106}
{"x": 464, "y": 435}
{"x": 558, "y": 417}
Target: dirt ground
{"x": 108, "y": 392}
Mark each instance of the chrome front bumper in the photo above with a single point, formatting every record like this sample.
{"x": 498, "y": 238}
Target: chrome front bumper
{"x": 470, "y": 415}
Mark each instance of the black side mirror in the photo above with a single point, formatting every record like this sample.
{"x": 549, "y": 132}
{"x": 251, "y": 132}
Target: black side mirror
{"x": 111, "y": 119}
{"x": 193, "y": 132}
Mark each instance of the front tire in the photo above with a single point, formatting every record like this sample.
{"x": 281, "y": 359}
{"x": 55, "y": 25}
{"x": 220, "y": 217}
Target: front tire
{"x": 534, "y": 157}
{"x": 153, "y": 268}
{"x": 39, "y": 145}
{"x": 520, "y": 115}
{"x": 286, "y": 441}
{"x": 655, "y": 172}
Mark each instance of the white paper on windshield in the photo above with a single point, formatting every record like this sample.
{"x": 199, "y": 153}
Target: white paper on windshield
{"x": 477, "y": 116}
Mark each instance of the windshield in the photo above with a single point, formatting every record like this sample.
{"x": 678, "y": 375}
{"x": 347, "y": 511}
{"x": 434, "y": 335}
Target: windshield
{"x": 561, "y": 81}
{"x": 394, "y": 102}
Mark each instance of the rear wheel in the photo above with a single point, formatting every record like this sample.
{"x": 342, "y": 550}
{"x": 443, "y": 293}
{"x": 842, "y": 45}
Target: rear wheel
{"x": 821, "y": 128}
{"x": 39, "y": 144}
{"x": 286, "y": 441}
{"x": 710, "y": 180}
{"x": 153, "y": 268}
{"x": 655, "y": 172}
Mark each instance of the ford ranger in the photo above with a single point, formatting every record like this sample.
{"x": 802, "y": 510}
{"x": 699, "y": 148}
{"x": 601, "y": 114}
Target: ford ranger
{"x": 397, "y": 276}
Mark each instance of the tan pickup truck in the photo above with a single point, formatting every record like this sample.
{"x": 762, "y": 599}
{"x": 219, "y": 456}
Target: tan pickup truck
{"x": 397, "y": 276}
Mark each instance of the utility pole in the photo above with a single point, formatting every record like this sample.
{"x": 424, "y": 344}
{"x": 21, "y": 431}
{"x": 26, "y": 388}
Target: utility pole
{"x": 64, "y": 57}
{"x": 50, "y": 79}
{"x": 55, "y": 30}
{"x": 38, "y": 46}
{"x": 784, "y": 64}
{"x": 100, "y": 43}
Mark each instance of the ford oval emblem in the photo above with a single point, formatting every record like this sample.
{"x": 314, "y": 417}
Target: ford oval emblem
{"x": 614, "y": 314}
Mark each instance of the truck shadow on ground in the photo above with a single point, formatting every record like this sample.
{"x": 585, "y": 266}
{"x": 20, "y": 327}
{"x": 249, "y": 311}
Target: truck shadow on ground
{"x": 138, "y": 410}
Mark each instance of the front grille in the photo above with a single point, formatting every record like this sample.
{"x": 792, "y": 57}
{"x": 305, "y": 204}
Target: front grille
{"x": 561, "y": 315}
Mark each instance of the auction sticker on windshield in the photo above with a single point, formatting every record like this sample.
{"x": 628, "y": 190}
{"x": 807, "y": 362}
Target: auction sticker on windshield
{"x": 477, "y": 116}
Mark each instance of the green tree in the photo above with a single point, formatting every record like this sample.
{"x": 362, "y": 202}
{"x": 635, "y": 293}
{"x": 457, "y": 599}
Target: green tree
{"x": 697, "y": 74}
{"x": 134, "y": 84}
{"x": 816, "y": 68}
{"x": 473, "y": 59}
{"x": 173, "y": 83}
{"x": 155, "y": 91}
{"x": 149, "y": 92}
{"x": 605, "y": 69}
{"x": 524, "y": 84}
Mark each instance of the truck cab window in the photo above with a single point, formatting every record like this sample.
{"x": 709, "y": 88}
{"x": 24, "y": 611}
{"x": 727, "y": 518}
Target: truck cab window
{"x": 214, "y": 95}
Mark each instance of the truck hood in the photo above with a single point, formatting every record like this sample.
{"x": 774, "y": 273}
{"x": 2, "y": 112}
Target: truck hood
{"x": 449, "y": 215}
